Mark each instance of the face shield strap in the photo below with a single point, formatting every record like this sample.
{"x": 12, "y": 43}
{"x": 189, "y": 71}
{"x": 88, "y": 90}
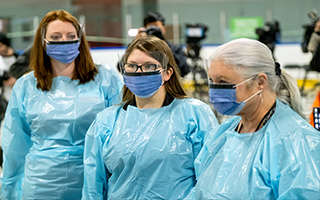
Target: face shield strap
{"x": 244, "y": 81}
{"x": 222, "y": 86}
{"x": 142, "y": 73}
{"x": 161, "y": 57}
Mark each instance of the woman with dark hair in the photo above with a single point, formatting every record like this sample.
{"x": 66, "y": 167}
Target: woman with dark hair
{"x": 50, "y": 110}
{"x": 145, "y": 147}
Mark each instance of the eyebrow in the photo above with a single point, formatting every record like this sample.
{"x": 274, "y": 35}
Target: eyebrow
{"x": 148, "y": 62}
{"x": 219, "y": 78}
{"x": 57, "y": 32}
{"x": 72, "y": 32}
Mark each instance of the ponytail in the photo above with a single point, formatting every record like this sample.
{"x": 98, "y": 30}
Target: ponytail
{"x": 289, "y": 93}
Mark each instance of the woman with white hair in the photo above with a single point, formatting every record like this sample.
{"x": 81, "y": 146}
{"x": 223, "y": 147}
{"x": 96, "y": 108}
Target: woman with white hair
{"x": 267, "y": 151}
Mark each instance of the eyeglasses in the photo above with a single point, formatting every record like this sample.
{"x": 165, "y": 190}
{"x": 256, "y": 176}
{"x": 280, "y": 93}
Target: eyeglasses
{"x": 129, "y": 67}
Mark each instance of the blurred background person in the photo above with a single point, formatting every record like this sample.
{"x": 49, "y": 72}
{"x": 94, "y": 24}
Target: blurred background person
{"x": 268, "y": 151}
{"x": 145, "y": 147}
{"x": 314, "y": 48}
{"x": 315, "y": 38}
{"x": 154, "y": 24}
{"x": 50, "y": 110}
{"x": 16, "y": 70}
{"x": 19, "y": 67}
{"x": 9, "y": 56}
{"x": 309, "y": 28}
{"x": 6, "y": 52}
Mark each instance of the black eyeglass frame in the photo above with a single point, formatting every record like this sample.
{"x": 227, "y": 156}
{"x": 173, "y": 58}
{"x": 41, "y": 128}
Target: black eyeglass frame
{"x": 140, "y": 67}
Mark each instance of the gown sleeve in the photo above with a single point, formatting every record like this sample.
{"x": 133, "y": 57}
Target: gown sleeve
{"x": 16, "y": 144}
{"x": 96, "y": 175}
{"x": 112, "y": 83}
{"x": 205, "y": 124}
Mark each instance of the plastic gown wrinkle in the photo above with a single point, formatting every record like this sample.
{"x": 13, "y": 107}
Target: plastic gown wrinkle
{"x": 43, "y": 135}
{"x": 138, "y": 161}
{"x": 280, "y": 161}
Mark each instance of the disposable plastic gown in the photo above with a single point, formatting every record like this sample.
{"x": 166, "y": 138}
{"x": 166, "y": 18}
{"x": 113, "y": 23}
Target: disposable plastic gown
{"x": 280, "y": 161}
{"x": 44, "y": 132}
{"x": 145, "y": 154}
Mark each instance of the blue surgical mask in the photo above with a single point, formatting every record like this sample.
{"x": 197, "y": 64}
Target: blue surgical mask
{"x": 63, "y": 51}
{"x": 224, "y": 98}
{"x": 143, "y": 84}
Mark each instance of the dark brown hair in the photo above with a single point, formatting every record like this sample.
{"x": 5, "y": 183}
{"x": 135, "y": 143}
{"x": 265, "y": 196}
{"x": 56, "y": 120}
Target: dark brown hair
{"x": 85, "y": 69}
{"x": 148, "y": 45}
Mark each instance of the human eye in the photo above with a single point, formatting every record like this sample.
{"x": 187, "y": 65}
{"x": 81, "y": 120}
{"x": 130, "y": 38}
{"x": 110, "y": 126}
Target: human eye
{"x": 55, "y": 37}
{"x": 130, "y": 67}
{"x": 72, "y": 37}
{"x": 223, "y": 82}
{"x": 149, "y": 67}
{"x": 210, "y": 81}
{"x": 218, "y": 81}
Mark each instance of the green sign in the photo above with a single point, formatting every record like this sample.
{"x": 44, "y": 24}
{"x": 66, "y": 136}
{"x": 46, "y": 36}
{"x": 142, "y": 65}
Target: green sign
{"x": 245, "y": 27}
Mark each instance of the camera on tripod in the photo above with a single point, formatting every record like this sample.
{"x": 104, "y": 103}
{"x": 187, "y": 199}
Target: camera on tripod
{"x": 194, "y": 34}
{"x": 155, "y": 31}
{"x": 269, "y": 34}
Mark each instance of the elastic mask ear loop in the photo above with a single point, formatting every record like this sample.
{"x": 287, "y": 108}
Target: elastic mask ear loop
{"x": 261, "y": 97}
{"x": 162, "y": 81}
{"x": 253, "y": 96}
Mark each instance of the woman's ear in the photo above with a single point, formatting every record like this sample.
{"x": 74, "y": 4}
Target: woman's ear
{"x": 262, "y": 80}
{"x": 167, "y": 74}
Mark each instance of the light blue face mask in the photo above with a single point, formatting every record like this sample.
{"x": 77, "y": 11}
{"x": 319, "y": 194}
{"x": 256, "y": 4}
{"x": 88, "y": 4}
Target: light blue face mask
{"x": 63, "y": 51}
{"x": 143, "y": 84}
{"x": 224, "y": 98}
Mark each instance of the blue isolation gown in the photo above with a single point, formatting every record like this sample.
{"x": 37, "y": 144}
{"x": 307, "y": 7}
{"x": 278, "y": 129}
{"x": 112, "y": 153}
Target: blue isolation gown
{"x": 43, "y": 134}
{"x": 145, "y": 153}
{"x": 279, "y": 161}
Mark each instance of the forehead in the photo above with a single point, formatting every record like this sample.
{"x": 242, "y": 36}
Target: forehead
{"x": 156, "y": 23}
{"x": 141, "y": 57}
{"x": 220, "y": 71}
{"x": 60, "y": 26}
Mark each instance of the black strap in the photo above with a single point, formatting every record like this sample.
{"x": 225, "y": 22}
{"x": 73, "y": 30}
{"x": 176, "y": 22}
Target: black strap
{"x": 263, "y": 121}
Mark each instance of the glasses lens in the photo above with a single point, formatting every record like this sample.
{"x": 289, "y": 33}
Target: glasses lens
{"x": 130, "y": 67}
{"x": 149, "y": 67}
{"x": 143, "y": 68}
